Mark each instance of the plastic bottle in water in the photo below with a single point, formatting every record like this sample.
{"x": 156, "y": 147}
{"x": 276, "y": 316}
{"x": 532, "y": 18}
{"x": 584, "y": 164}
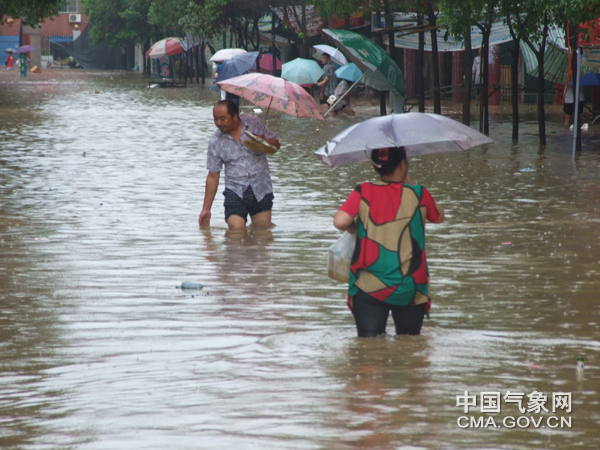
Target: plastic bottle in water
{"x": 579, "y": 365}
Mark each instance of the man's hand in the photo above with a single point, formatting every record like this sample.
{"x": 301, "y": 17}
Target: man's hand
{"x": 204, "y": 219}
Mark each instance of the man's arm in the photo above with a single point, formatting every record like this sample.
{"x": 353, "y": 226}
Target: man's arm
{"x": 269, "y": 136}
{"x": 274, "y": 142}
{"x": 212, "y": 184}
{"x": 323, "y": 82}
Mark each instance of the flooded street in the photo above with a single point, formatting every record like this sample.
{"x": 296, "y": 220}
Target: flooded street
{"x": 99, "y": 202}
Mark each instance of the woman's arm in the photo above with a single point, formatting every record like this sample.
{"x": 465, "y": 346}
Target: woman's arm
{"x": 344, "y": 222}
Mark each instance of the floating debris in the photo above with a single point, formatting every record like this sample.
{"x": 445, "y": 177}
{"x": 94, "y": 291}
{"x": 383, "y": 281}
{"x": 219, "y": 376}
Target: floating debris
{"x": 190, "y": 285}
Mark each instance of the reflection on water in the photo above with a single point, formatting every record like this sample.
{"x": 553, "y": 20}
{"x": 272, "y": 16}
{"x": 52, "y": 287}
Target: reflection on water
{"x": 100, "y": 197}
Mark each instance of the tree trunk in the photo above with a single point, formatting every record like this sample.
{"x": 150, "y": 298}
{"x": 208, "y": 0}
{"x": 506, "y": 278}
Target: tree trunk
{"x": 468, "y": 77}
{"x": 389, "y": 25}
{"x": 304, "y": 47}
{"x": 515, "y": 89}
{"x": 273, "y": 47}
{"x": 540, "y": 102}
{"x": 432, "y": 19}
{"x": 202, "y": 62}
{"x": 484, "y": 124}
{"x": 574, "y": 33}
{"x": 420, "y": 72}
{"x": 379, "y": 40}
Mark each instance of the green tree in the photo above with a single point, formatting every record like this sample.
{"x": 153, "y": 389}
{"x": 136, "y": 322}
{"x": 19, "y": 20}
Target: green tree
{"x": 532, "y": 21}
{"x": 119, "y": 22}
{"x": 458, "y": 18}
{"x": 209, "y": 17}
{"x": 432, "y": 19}
{"x": 31, "y": 11}
{"x": 527, "y": 26}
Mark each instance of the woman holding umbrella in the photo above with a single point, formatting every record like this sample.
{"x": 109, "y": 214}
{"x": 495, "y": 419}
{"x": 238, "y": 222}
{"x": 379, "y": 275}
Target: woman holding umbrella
{"x": 389, "y": 268}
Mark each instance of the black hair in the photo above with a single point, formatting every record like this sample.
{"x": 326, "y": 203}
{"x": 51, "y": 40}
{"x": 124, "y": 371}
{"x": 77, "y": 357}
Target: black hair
{"x": 232, "y": 108}
{"x": 385, "y": 160}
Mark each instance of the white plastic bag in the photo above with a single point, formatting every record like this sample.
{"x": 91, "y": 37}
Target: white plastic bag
{"x": 340, "y": 256}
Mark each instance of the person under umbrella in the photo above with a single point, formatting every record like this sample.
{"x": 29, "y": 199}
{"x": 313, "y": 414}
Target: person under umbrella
{"x": 328, "y": 82}
{"x": 248, "y": 187}
{"x": 234, "y": 67}
{"x": 346, "y": 74}
{"x": 389, "y": 270}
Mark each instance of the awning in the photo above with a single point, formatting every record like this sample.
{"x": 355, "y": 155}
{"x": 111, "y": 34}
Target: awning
{"x": 190, "y": 41}
{"x": 499, "y": 35}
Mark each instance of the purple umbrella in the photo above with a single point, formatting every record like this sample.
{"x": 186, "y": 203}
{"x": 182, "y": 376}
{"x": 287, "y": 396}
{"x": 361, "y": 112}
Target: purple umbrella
{"x": 25, "y": 49}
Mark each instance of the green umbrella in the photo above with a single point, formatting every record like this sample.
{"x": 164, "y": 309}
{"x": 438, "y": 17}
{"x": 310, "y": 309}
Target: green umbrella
{"x": 379, "y": 70}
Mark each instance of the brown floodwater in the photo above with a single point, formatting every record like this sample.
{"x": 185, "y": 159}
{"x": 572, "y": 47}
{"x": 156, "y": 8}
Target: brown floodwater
{"x": 99, "y": 201}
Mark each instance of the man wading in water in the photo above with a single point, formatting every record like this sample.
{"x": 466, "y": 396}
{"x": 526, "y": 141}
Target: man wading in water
{"x": 248, "y": 187}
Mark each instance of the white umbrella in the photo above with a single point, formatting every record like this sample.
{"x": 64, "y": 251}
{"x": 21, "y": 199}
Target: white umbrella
{"x": 336, "y": 55}
{"x": 226, "y": 54}
{"x": 418, "y": 133}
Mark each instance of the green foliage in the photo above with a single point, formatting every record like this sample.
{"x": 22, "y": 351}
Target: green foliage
{"x": 341, "y": 8}
{"x": 208, "y": 16}
{"x": 32, "y": 11}
{"x": 457, "y": 16}
{"x": 119, "y": 22}
{"x": 167, "y": 14}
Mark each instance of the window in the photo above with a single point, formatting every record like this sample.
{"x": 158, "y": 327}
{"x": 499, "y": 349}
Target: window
{"x": 70, "y": 6}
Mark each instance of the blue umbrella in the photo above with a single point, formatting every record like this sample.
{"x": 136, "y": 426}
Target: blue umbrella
{"x": 301, "y": 71}
{"x": 349, "y": 72}
{"x": 589, "y": 79}
{"x": 236, "y": 66}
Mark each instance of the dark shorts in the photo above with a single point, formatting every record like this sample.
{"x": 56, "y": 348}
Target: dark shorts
{"x": 245, "y": 206}
{"x": 324, "y": 102}
{"x": 569, "y": 108}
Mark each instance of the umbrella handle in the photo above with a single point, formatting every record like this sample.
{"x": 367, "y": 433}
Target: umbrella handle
{"x": 345, "y": 94}
{"x": 267, "y": 114}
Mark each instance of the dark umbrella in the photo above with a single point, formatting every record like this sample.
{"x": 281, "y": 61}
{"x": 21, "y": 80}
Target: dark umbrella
{"x": 589, "y": 79}
{"x": 25, "y": 49}
{"x": 236, "y": 66}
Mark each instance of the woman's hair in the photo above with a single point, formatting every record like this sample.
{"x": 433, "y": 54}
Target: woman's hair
{"x": 385, "y": 160}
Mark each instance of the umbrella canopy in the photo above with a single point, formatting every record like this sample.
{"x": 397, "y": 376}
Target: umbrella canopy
{"x": 266, "y": 62}
{"x": 380, "y": 71}
{"x": 418, "y": 133}
{"x": 226, "y": 54}
{"x": 589, "y": 79}
{"x": 302, "y": 71}
{"x": 273, "y": 92}
{"x": 336, "y": 55}
{"x": 25, "y": 49}
{"x": 10, "y": 50}
{"x": 349, "y": 72}
{"x": 168, "y": 46}
{"x": 237, "y": 66}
